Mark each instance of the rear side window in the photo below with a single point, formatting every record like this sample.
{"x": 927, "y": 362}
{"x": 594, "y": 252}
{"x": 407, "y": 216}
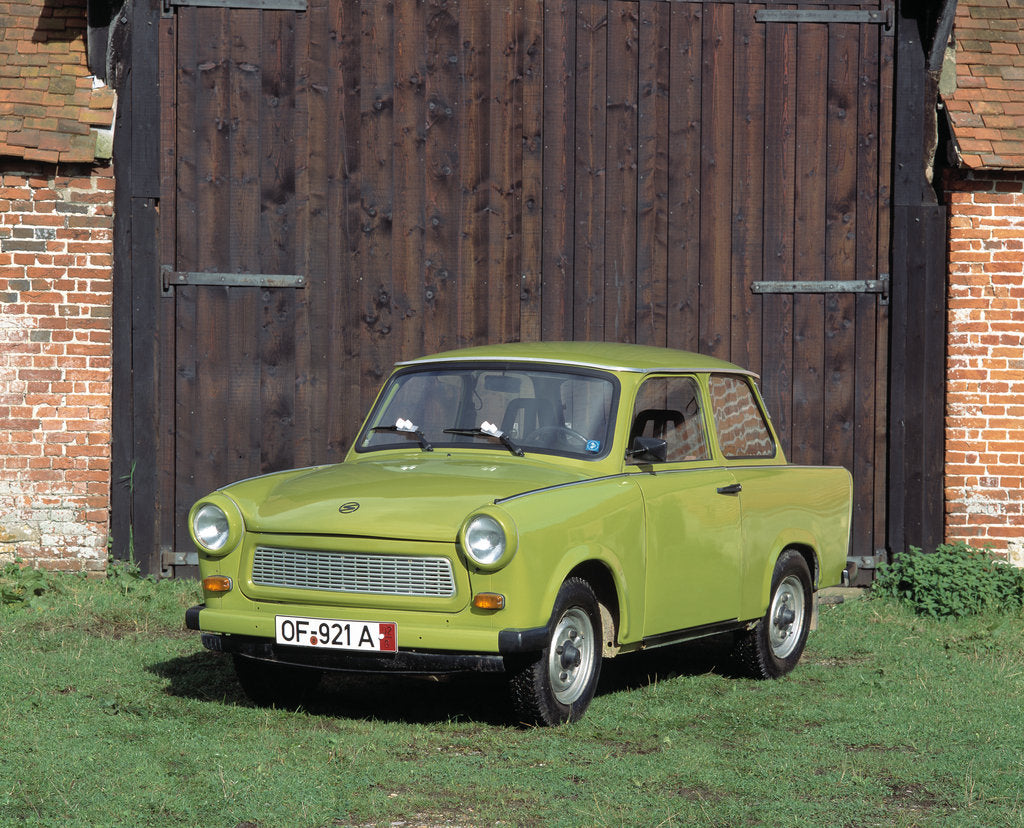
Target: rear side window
{"x": 742, "y": 431}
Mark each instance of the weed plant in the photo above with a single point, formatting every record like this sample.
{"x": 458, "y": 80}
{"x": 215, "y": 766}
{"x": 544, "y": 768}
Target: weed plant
{"x": 114, "y": 715}
{"x": 23, "y": 584}
{"x": 955, "y": 581}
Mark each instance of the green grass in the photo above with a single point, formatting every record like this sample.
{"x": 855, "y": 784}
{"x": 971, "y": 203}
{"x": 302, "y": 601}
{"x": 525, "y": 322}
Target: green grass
{"x": 112, "y": 714}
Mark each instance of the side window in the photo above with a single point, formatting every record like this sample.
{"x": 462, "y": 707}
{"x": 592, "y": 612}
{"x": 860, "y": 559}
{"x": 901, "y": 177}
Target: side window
{"x": 741, "y": 429}
{"x": 669, "y": 408}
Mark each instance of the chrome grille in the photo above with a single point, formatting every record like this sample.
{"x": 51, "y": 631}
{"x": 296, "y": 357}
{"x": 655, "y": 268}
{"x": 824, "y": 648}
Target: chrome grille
{"x": 348, "y": 572}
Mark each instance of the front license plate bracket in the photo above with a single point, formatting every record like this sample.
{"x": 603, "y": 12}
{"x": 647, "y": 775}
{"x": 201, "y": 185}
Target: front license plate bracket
{"x": 336, "y": 634}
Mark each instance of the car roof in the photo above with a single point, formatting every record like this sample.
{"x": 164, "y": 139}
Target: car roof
{"x": 610, "y": 356}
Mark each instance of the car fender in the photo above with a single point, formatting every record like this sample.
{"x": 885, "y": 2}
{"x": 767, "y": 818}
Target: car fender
{"x": 756, "y": 604}
{"x": 599, "y": 521}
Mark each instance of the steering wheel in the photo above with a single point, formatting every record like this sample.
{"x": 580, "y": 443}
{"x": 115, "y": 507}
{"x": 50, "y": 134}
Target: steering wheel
{"x": 556, "y": 437}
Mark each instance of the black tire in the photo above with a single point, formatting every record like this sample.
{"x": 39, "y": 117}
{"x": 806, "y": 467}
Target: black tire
{"x": 557, "y": 685}
{"x": 774, "y": 646}
{"x": 275, "y": 685}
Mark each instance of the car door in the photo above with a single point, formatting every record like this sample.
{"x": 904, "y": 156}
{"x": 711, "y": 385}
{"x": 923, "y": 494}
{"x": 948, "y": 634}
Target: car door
{"x": 691, "y": 511}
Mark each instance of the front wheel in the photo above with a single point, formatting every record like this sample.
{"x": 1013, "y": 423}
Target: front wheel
{"x": 556, "y": 686}
{"x": 774, "y": 646}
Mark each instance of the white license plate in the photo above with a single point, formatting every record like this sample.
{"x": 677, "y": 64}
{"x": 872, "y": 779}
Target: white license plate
{"x": 337, "y": 635}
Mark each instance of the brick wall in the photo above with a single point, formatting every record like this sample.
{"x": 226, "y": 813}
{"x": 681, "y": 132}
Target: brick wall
{"x": 985, "y": 379}
{"x": 56, "y": 244}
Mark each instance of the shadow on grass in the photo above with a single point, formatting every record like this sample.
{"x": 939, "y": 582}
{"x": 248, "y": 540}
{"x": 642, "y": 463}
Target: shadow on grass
{"x": 482, "y": 698}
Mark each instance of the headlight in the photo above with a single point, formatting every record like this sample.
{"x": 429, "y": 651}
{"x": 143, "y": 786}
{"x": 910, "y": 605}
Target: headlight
{"x": 210, "y": 526}
{"x": 216, "y": 525}
{"x": 488, "y": 541}
{"x": 485, "y": 540}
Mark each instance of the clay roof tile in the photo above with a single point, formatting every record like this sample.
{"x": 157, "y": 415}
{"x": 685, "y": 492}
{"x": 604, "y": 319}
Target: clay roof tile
{"x": 47, "y": 99}
{"x": 985, "y": 108}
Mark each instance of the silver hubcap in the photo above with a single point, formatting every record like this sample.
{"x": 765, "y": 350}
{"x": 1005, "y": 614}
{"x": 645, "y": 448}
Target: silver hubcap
{"x": 571, "y": 656}
{"x": 786, "y": 617}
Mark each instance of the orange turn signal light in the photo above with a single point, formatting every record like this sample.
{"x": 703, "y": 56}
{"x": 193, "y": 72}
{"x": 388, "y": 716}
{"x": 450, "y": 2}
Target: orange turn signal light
{"x": 489, "y": 601}
{"x": 217, "y": 583}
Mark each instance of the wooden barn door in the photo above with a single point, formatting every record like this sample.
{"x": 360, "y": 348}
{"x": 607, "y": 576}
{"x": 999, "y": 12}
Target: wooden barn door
{"x": 717, "y": 178}
{"x": 352, "y": 182}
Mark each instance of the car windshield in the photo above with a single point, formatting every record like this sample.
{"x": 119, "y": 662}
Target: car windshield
{"x": 518, "y": 409}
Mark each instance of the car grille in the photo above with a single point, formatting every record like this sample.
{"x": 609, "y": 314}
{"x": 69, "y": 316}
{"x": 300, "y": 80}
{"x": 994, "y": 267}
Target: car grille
{"x": 347, "y": 572}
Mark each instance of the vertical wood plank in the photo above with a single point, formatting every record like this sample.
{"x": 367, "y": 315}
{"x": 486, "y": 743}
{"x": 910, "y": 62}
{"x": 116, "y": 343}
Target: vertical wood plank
{"x": 473, "y": 140}
{"x": 747, "y": 187}
{"x": 345, "y": 225}
{"x": 312, "y": 228}
{"x": 212, "y": 119}
{"x": 716, "y": 147}
{"x": 621, "y": 154}
{"x": 558, "y": 264}
{"x": 167, "y": 348}
{"x": 841, "y": 244}
{"x": 410, "y": 115}
{"x": 590, "y": 162}
{"x": 531, "y": 16}
{"x": 883, "y": 233}
{"x": 376, "y": 177}
{"x": 244, "y": 411}
{"x": 868, "y": 435}
{"x": 809, "y": 252}
{"x": 186, "y": 368}
{"x": 505, "y": 153}
{"x": 653, "y": 173}
{"x": 441, "y": 159}
{"x": 684, "y": 177}
{"x": 779, "y": 211}
{"x": 277, "y": 226}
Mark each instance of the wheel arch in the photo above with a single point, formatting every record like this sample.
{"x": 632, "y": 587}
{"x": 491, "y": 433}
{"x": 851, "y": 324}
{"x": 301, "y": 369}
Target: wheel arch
{"x": 809, "y": 554}
{"x": 600, "y": 578}
{"x": 805, "y": 547}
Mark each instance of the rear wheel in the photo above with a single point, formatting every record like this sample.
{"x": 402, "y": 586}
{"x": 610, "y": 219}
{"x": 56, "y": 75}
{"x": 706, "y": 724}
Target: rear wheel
{"x": 557, "y": 685}
{"x": 275, "y": 685}
{"x": 774, "y": 646}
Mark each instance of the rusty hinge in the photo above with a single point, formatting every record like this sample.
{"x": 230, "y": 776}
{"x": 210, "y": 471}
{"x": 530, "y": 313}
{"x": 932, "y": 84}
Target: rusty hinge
{"x": 170, "y": 559}
{"x": 265, "y": 5}
{"x": 170, "y": 277}
{"x": 879, "y": 286}
{"x": 882, "y": 17}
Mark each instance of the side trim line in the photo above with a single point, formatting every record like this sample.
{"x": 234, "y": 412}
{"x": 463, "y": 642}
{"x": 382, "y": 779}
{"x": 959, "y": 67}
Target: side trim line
{"x": 678, "y": 636}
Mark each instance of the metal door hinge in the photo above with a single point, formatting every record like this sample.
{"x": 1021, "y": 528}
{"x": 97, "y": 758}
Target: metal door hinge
{"x": 882, "y": 17}
{"x": 262, "y": 5}
{"x": 879, "y": 286}
{"x": 170, "y": 277}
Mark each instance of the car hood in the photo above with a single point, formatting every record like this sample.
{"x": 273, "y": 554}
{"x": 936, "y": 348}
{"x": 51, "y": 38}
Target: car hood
{"x": 416, "y": 497}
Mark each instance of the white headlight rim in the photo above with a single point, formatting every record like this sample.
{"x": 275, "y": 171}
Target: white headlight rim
{"x": 215, "y": 526}
{"x": 489, "y": 540}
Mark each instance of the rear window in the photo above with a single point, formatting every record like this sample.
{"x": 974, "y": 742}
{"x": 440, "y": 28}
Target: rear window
{"x": 742, "y": 431}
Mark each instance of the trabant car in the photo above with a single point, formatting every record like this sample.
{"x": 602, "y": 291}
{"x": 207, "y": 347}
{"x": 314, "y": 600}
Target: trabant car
{"x": 530, "y": 509}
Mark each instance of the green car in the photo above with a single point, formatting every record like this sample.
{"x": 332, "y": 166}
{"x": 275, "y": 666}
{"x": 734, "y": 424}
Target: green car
{"x": 529, "y": 509}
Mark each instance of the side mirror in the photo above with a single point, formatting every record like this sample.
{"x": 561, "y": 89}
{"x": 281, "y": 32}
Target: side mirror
{"x": 648, "y": 450}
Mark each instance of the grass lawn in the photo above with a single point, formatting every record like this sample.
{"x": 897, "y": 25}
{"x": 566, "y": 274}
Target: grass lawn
{"x": 112, "y": 714}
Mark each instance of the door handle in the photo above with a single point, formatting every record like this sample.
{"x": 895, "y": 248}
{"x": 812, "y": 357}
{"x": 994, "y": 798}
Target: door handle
{"x": 734, "y": 488}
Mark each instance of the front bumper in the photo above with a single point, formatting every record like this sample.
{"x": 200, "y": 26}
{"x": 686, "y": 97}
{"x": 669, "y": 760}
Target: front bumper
{"x": 511, "y": 643}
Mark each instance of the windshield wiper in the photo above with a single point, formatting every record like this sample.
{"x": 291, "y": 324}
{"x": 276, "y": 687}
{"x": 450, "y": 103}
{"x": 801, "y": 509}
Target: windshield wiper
{"x": 406, "y": 427}
{"x": 487, "y": 429}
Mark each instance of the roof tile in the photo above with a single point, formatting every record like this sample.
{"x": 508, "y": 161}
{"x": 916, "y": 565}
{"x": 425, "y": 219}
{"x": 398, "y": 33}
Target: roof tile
{"x": 47, "y": 100}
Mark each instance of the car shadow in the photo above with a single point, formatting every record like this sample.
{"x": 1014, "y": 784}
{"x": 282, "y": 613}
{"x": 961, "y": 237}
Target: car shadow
{"x": 633, "y": 671}
{"x": 210, "y": 677}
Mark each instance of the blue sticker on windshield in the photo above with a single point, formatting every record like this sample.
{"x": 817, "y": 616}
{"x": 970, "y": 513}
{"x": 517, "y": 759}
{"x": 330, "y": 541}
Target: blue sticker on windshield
{"x": 594, "y": 446}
